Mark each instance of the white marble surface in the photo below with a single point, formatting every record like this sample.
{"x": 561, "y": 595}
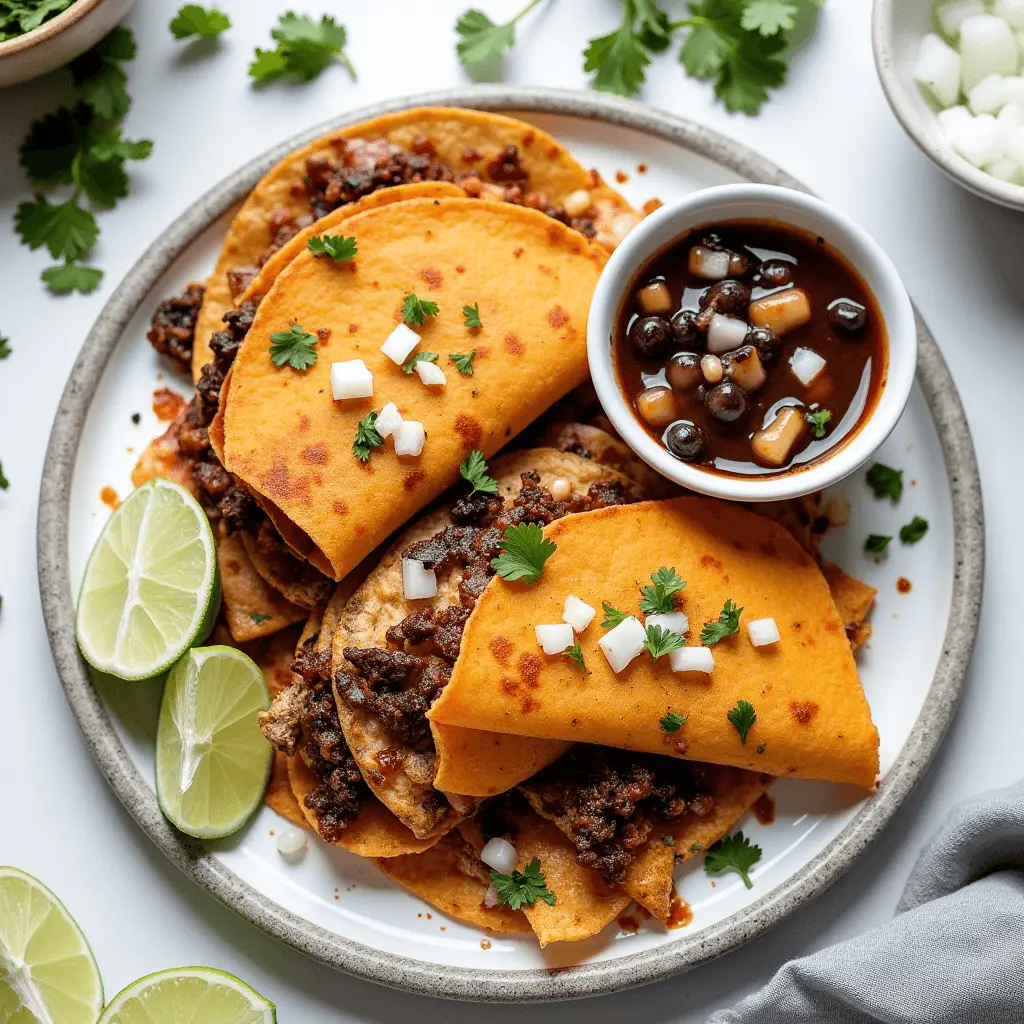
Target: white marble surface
{"x": 829, "y": 126}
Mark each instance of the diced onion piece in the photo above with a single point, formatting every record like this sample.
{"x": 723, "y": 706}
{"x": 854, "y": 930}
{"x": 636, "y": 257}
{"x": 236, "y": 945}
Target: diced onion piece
{"x": 725, "y": 333}
{"x": 409, "y": 438}
{"x": 499, "y": 855}
{"x": 1011, "y": 11}
{"x": 418, "y": 583}
{"x": 1019, "y": 36}
{"x": 1015, "y": 146}
{"x": 1011, "y": 116}
{"x": 1013, "y": 89}
{"x": 388, "y": 420}
{"x": 561, "y": 489}
{"x": 291, "y": 844}
{"x": 987, "y": 47}
{"x": 578, "y": 613}
{"x": 577, "y": 203}
{"x": 1005, "y": 170}
{"x": 937, "y": 70}
{"x": 491, "y": 896}
{"x": 953, "y": 14}
{"x": 655, "y": 298}
{"x": 981, "y": 142}
{"x": 351, "y": 379}
{"x": 951, "y": 120}
{"x": 430, "y": 373}
{"x": 555, "y": 638}
{"x": 763, "y": 632}
{"x": 623, "y": 643}
{"x": 692, "y": 659}
{"x": 711, "y": 264}
{"x": 674, "y": 622}
{"x": 711, "y": 367}
{"x": 621, "y": 224}
{"x": 401, "y": 341}
{"x": 781, "y": 311}
{"x": 772, "y": 444}
{"x": 806, "y": 364}
{"x": 988, "y": 96}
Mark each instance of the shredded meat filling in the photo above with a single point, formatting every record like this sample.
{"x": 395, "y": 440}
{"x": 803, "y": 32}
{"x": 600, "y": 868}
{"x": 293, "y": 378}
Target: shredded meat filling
{"x": 173, "y": 330}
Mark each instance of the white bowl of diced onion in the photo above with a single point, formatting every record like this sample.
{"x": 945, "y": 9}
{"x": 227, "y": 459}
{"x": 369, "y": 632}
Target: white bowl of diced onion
{"x": 953, "y": 72}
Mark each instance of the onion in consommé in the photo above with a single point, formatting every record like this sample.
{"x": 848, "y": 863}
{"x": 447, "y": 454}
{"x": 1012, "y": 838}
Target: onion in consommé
{"x": 806, "y": 364}
{"x": 499, "y": 855}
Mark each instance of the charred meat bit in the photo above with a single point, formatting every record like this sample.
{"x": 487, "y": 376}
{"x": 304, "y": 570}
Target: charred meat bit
{"x": 506, "y": 166}
{"x": 239, "y": 278}
{"x": 173, "y": 329}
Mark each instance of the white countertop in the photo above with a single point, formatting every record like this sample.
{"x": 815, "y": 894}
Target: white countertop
{"x": 829, "y": 126}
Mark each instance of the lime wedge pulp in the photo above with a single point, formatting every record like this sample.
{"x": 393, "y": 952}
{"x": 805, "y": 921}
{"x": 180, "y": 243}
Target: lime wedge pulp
{"x": 212, "y": 761}
{"x": 151, "y": 587}
{"x": 199, "y": 995}
{"x": 47, "y": 971}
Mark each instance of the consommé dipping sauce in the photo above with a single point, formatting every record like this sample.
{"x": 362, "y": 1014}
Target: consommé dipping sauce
{"x": 750, "y": 347}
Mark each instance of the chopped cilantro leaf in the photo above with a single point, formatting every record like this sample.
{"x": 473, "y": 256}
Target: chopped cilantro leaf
{"x": 743, "y": 717}
{"x": 612, "y": 616}
{"x": 195, "y": 22}
{"x": 463, "y": 362}
{"x": 472, "y": 315}
{"x": 876, "y": 543}
{"x": 672, "y": 722}
{"x": 65, "y": 229}
{"x": 419, "y": 357}
{"x": 696, "y": 847}
{"x": 304, "y": 49}
{"x": 575, "y": 653}
{"x": 20, "y": 16}
{"x": 367, "y": 437}
{"x": 524, "y": 550}
{"x": 733, "y": 853}
{"x": 885, "y": 481}
{"x": 914, "y": 530}
{"x": 619, "y": 59}
{"x": 762, "y": 748}
{"x": 258, "y": 617}
{"x": 294, "y": 348}
{"x": 415, "y": 309}
{"x": 523, "y": 887}
{"x": 338, "y": 247}
{"x": 658, "y": 599}
{"x": 728, "y": 623}
{"x": 668, "y": 840}
{"x": 5, "y": 348}
{"x": 4, "y": 482}
{"x": 474, "y": 471}
{"x": 660, "y": 641}
{"x": 817, "y": 420}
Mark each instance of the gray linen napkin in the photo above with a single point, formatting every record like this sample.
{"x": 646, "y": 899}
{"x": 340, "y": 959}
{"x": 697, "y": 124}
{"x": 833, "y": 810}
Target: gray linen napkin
{"x": 953, "y": 954}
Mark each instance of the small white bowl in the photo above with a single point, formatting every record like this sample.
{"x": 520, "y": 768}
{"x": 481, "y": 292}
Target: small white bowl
{"x": 756, "y": 202}
{"x": 897, "y": 28}
{"x": 59, "y": 40}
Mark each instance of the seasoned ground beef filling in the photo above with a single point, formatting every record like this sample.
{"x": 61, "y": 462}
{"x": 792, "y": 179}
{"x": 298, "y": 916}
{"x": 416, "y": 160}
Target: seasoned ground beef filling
{"x": 173, "y": 329}
{"x": 603, "y": 797}
{"x": 398, "y": 683}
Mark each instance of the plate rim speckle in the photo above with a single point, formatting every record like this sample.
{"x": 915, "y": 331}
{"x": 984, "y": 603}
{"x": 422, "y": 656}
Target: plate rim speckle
{"x": 684, "y": 952}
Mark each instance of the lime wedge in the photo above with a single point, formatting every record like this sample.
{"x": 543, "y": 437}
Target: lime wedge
{"x": 212, "y": 761}
{"x": 47, "y": 971}
{"x": 199, "y": 995}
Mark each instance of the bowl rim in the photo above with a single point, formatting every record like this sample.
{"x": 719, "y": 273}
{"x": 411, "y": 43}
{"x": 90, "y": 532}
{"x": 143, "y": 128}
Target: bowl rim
{"x": 944, "y": 157}
{"x": 874, "y": 265}
{"x": 49, "y": 29}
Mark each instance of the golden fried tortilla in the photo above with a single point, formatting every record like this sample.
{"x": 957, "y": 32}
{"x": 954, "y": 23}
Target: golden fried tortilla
{"x": 252, "y": 607}
{"x": 467, "y": 141}
{"x": 813, "y": 720}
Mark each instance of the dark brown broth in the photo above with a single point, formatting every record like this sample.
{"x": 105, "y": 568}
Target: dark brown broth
{"x": 849, "y": 385}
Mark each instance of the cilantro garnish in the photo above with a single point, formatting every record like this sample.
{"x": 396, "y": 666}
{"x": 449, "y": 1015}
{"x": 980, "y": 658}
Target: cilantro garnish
{"x": 668, "y": 840}
{"x": 885, "y": 481}
{"x": 612, "y": 616}
{"x": 195, "y": 22}
{"x": 472, "y": 315}
{"x": 419, "y": 357}
{"x": 463, "y": 362}
{"x": 304, "y": 49}
{"x": 474, "y": 471}
{"x": 735, "y": 853}
{"x": 575, "y": 653}
{"x": 524, "y": 550}
{"x": 83, "y": 147}
{"x": 728, "y": 622}
{"x": 415, "y": 309}
{"x": 762, "y": 748}
{"x": 481, "y": 41}
{"x": 817, "y": 420}
{"x": 672, "y": 722}
{"x": 620, "y": 58}
{"x": 657, "y": 599}
{"x": 660, "y": 641}
{"x": 876, "y": 543}
{"x": 743, "y": 717}
{"x": 914, "y": 530}
{"x": 523, "y": 887}
{"x": 5, "y": 348}
{"x": 293, "y": 347}
{"x": 367, "y": 437}
{"x": 4, "y": 482}
{"x": 696, "y": 847}
{"x": 769, "y": 16}
{"x": 20, "y": 16}
{"x": 258, "y": 617}
{"x": 338, "y": 247}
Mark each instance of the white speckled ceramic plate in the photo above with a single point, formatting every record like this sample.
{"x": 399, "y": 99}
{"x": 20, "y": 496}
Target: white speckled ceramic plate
{"x": 337, "y": 907}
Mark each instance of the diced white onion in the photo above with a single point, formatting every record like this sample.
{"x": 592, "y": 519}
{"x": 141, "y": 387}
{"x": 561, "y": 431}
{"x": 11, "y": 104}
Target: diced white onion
{"x": 1011, "y": 11}
{"x": 577, "y": 203}
{"x": 499, "y": 855}
{"x": 409, "y": 438}
{"x": 674, "y": 622}
{"x": 561, "y": 489}
{"x": 951, "y": 120}
{"x": 401, "y": 341}
{"x": 987, "y": 47}
{"x": 430, "y": 373}
{"x": 578, "y": 613}
{"x": 711, "y": 264}
{"x": 988, "y": 96}
{"x": 981, "y": 142}
{"x": 1019, "y": 36}
{"x": 937, "y": 70}
{"x": 1005, "y": 170}
{"x": 1013, "y": 89}
{"x": 491, "y": 896}
{"x": 623, "y": 643}
{"x": 351, "y": 379}
{"x": 763, "y": 632}
{"x": 291, "y": 844}
{"x": 806, "y": 364}
{"x": 388, "y": 420}
{"x": 725, "y": 333}
{"x": 418, "y": 583}
{"x": 692, "y": 659}
{"x": 1011, "y": 116}
{"x": 953, "y": 14}
{"x": 1014, "y": 149}
{"x": 554, "y": 638}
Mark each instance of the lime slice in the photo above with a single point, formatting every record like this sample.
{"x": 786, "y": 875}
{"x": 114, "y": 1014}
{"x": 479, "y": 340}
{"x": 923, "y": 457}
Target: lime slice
{"x": 47, "y": 971}
{"x": 151, "y": 588}
{"x": 199, "y": 995}
{"x": 212, "y": 761}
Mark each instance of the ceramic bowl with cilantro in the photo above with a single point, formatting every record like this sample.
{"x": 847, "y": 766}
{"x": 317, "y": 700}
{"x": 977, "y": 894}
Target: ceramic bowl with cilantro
{"x": 38, "y": 36}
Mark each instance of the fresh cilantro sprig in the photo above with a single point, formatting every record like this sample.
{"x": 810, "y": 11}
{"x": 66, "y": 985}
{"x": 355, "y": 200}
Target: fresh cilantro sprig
{"x": 20, "y": 16}
{"x": 612, "y": 616}
{"x": 524, "y": 550}
{"x": 575, "y": 654}
{"x": 672, "y": 722}
{"x": 876, "y": 543}
{"x": 304, "y": 48}
{"x": 5, "y": 348}
{"x": 733, "y": 853}
{"x": 294, "y": 348}
{"x": 338, "y": 247}
{"x": 481, "y": 41}
{"x": 415, "y": 310}
{"x": 474, "y": 471}
{"x": 817, "y": 420}
{"x": 659, "y": 641}
{"x": 742, "y": 717}
{"x": 463, "y": 362}
{"x": 727, "y": 623}
{"x": 471, "y": 315}
{"x": 523, "y": 887}
{"x": 914, "y": 530}
{"x": 657, "y": 599}
{"x": 885, "y": 481}
{"x": 419, "y": 357}
{"x": 367, "y": 437}
{"x": 195, "y": 22}
{"x": 81, "y": 146}
{"x": 619, "y": 60}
